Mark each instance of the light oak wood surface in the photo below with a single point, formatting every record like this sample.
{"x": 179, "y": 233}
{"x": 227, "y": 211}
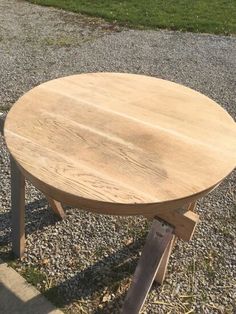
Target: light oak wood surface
{"x": 121, "y": 143}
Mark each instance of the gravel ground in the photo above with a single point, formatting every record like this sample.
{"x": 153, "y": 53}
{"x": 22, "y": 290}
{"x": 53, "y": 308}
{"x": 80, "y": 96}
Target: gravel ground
{"x": 86, "y": 261}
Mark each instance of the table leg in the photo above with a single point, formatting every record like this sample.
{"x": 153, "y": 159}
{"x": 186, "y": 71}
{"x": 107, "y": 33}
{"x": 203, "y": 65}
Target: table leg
{"x": 161, "y": 273}
{"x": 56, "y": 207}
{"x": 192, "y": 206}
{"x": 17, "y": 209}
{"x": 157, "y": 242}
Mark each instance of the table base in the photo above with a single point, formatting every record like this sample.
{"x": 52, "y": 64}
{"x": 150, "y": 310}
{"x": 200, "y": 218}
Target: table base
{"x": 166, "y": 227}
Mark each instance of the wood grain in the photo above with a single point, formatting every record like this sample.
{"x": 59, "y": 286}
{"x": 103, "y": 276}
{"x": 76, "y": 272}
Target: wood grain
{"x": 17, "y": 209}
{"x": 121, "y": 143}
{"x": 162, "y": 269}
{"x": 156, "y": 244}
{"x": 56, "y": 207}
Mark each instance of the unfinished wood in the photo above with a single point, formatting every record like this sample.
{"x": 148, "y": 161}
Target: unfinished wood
{"x": 183, "y": 220}
{"x": 192, "y": 206}
{"x": 2, "y": 119}
{"x": 157, "y": 241}
{"x": 121, "y": 143}
{"x": 189, "y": 231}
{"x": 17, "y": 209}
{"x": 162, "y": 269}
{"x": 56, "y": 207}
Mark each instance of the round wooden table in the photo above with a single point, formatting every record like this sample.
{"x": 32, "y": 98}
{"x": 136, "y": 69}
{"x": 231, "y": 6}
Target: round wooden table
{"x": 121, "y": 144}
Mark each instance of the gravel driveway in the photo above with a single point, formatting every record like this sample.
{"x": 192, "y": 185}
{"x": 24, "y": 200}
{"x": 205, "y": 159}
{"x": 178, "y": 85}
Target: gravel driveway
{"x": 86, "y": 261}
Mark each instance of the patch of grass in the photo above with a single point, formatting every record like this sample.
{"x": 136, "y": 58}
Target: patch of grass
{"x": 210, "y": 263}
{"x": 226, "y": 232}
{"x": 215, "y": 16}
{"x": 60, "y": 41}
{"x": 34, "y": 276}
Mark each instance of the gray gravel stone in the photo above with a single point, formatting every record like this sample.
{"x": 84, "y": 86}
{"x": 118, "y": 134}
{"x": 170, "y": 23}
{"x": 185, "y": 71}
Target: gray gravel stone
{"x": 85, "y": 258}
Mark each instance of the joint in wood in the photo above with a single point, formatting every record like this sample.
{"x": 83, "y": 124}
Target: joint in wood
{"x": 184, "y": 223}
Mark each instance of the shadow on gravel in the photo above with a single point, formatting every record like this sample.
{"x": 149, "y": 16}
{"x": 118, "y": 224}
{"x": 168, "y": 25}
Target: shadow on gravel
{"x": 110, "y": 274}
{"x": 38, "y": 216}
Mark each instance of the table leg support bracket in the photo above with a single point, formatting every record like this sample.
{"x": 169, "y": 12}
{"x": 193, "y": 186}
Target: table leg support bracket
{"x": 183, "y": 220}
{"x": 56, "y": 207}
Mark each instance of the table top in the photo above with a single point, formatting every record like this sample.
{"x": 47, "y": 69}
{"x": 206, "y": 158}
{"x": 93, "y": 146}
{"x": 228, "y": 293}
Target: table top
{"x": 121, "y": 143}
